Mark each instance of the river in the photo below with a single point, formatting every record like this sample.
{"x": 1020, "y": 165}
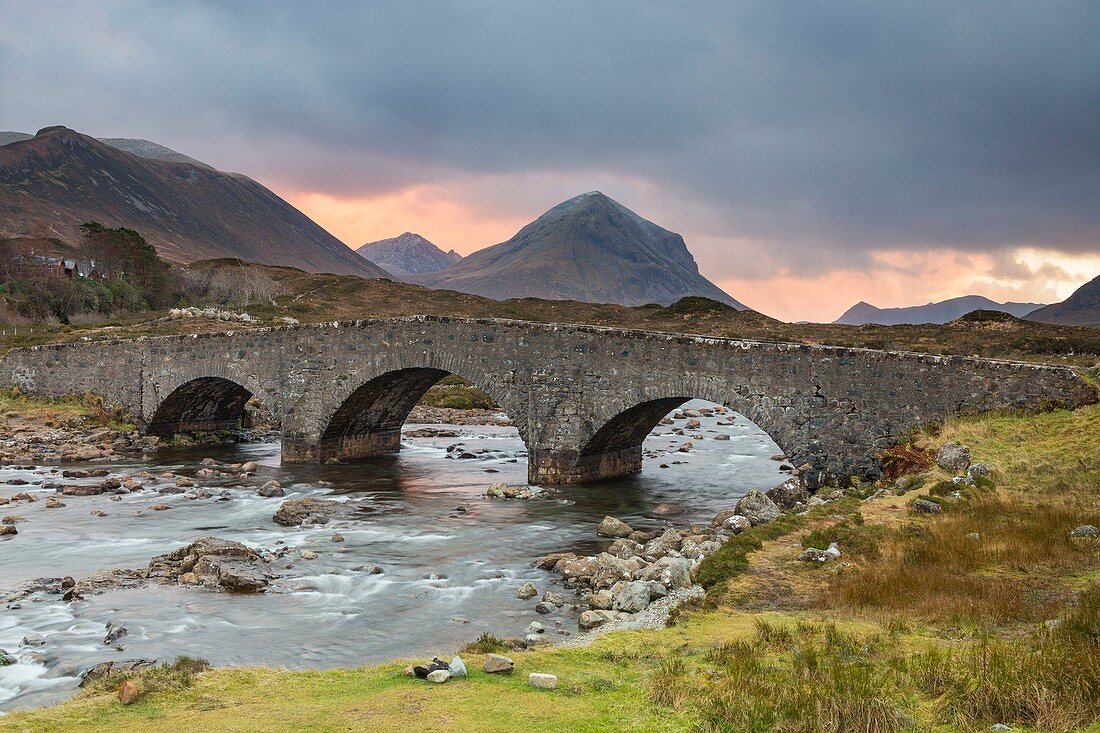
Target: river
{"x": 449, "y": 575}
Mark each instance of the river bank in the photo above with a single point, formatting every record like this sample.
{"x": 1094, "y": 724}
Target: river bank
{"x": 898, "y": 624}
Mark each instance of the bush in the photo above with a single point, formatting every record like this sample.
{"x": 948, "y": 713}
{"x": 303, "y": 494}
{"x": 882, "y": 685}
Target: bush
{"x": 485, "y": 644}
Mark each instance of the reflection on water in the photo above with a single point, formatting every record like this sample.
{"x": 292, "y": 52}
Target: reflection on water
{"x": 448, "y": 574}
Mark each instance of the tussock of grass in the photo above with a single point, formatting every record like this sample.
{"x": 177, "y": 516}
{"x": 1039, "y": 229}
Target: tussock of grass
{"x": 1048, "y": 681}
{"x": 938, "y": 570}
{"x": 485, "y": 644}
{"x": 1022, "y": 567}
{"x": 805, "y": 678}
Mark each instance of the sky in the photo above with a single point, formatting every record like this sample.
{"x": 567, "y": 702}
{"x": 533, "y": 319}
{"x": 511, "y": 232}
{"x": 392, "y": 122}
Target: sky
{"x": 812, "y": 154}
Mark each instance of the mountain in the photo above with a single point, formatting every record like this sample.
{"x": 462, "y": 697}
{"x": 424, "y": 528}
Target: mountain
{"x": 140, "y": 148}
{"x": 55, "y": 181}
{"x": 408, "y": 254}
{"x": 1080, "y": 309}
{"x": 589, "y": 248}
{"x": 13, "y": 137}
{"x": 942, "y": 312}
{"x": 151, "y": 150}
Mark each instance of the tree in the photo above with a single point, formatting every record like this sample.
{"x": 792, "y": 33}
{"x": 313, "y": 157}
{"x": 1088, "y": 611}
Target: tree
{"x": 123, "y": 254}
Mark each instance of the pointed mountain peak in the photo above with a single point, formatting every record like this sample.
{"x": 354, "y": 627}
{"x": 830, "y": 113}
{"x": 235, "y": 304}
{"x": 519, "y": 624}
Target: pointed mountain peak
{"x": 408, "y": 254}
{"x": 588, "y": 248}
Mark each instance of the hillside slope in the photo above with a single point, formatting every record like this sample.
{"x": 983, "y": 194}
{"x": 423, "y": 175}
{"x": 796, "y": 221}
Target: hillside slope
{"x": 1080, "y": 309}
{"x": 59, "y": 179}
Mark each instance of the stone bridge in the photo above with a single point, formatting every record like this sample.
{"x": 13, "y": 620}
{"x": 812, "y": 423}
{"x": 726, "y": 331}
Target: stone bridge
{"x": 582, "y": 397}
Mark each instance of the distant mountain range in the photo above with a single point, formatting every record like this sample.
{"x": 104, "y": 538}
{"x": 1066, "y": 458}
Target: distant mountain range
{"x": 942, "y": 312}
{"x": 54, "y": 181}
{"x": 1080, "y": 309}
{"x": 408, "y": 254}
{"x": 589, "y": 248}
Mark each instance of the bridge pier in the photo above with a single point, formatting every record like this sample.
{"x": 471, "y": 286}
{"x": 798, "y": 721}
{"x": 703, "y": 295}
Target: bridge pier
{"x": 557, "y": 468}
{"x": 341, "y": 447}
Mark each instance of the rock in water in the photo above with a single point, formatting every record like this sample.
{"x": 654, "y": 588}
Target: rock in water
{"x": 953, "y": 457}
{"x": 758, "y": 508}
{"x": 296, "y": 512}
{"x": 527, "y": 590}
{"x": 498, "y": 664}
{"x": 542, "y": 681}
{"x": 215, "y": 562}
{"x": 612, "y": 527}
{"x": 126, "y": 666}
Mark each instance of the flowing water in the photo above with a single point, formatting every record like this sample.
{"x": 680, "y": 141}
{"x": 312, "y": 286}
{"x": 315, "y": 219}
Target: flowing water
{"x": 449, "y": 575}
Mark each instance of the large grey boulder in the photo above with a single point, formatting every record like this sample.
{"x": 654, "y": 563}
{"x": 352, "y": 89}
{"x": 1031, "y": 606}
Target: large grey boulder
{"x": 788, "y": 494}
{"x": 297, "y": 512}
{"x": 953, "y": 457}
{"x": 758, "y": 508}
{"x": 612, "y": 527}
{"x": 630, "y": 596}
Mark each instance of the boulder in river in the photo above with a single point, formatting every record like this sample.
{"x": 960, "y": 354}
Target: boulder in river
{"x": 296, "y": 512}
{"x": 612, "y": 527}
{"x": 214, "y": 562}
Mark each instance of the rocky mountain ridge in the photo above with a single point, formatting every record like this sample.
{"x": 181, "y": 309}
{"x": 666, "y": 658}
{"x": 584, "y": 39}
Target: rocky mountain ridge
{"x": 939, "y": 312}
{"x": 408, "y": 254}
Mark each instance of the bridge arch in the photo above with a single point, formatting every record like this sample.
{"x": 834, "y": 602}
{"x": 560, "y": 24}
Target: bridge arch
{"x": 611, "y": 442}
{"x": 204, "y": 397}
{"x": 364, "y": 414}
{"x": 202, "y": 404}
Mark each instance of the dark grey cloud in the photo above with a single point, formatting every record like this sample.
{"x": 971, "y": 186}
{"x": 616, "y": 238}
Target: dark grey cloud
{"x": 826, "y": 129}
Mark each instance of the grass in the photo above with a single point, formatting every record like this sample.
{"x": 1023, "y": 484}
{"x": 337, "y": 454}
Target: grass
{"x": 456, "y": 393}
{"x": 925, "y": 627}
{"x": 1001, "y": 555}
{"x": 52, "y": 411}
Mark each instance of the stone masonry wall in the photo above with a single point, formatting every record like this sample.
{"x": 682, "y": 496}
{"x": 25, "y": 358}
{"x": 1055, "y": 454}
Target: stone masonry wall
{"x": 833, "y": 408}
